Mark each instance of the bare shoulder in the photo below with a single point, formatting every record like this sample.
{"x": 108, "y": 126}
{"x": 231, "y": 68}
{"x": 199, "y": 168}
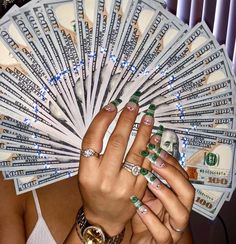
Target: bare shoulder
{"x": 11, "y": 213}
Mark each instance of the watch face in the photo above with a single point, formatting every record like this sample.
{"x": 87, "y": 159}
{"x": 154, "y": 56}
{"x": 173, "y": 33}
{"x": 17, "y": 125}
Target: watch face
{"x": 93, "y": 235}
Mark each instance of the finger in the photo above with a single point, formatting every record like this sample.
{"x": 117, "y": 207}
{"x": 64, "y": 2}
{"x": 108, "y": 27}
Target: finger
{"x": 178, "y": 183}
{"x": 156, "y": 138}
{"x": 179, "y": 214}
{"x": 168, "y": 158}
{"x": 94, "y": 136}
{"x": 141, "y": 140}
{"x": 159, "y": 232}
{"x": 118, "y": 141}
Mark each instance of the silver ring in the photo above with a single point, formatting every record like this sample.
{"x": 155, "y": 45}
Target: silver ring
{"x": 89, "y": 152}
{"x": 177, "y": 229}
{"x": 132, "y": 168}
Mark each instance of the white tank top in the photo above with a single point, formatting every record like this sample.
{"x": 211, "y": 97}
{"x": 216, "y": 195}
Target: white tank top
{"x": 40, "y": 234}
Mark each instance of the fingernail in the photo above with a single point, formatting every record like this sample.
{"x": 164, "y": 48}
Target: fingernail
{"x": 148, "y": 120}
{"x": 151, "y": 110}
{"x": 155, "y": 184}
{"x": 138, "y": 204}
{"x": 133, "y": 102}
{"x": 160, "y": 163}
{"x": 144, "y": 153}
{"x": 159, "y": 151}
{"x": 113, "y": 105}
{"x": 157, "y": 136}
{"x": 149, "y": 176}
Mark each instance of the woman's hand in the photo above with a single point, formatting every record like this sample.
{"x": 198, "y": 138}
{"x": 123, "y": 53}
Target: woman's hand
{"x": 104, "y": 185}
{"x": 163, "y": 214}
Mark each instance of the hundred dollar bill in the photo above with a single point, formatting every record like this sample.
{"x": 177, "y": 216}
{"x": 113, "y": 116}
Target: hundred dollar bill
{"x": 12, "y": 174}
{"x": 63, "y": 27}
{"x": 208, "y": 202}
{"x": 17, "y": 115}
{"x": 169, "y": 82}
{"x": 100, "y": 24}
{"x": 221, "y": 99}
{"x": 208, "y": 159}
{"x": 195, "y": 38}
{"x": 167, "y": 33}
{"x": 84, "y": 22}
{"x": 30, "y": 38}
{"x": 194, "y": 57}
{"x": 26, "y": 184}
{"x": 116, "y": 20}
{"x": 11, "y": 161}
{"x": 35, "y": 139}
{"x": 128, "y": 36}
{"x": 8, "y": 62}
{"x": 213, "y": 72}
{"x": 193, "y": 111}
{"x": 202, "y": 92}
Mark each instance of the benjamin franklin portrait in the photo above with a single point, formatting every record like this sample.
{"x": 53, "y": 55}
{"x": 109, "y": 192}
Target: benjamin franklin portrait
{"x": 170, "y": 143}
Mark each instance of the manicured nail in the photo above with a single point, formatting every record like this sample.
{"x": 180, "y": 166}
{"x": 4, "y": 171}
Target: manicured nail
{"x": 149, "y": 176}
{"x": 159, "y": 151}
{"x": 144, "y": 153}
{"x": 157, "y": 136}
{"x": 135, "y": 98}
{"x": 113, "y": 105}
{"x": 156, "y": 184}
{"x": 133, "y": 102}
{"x": 148, "y": 120}
{"x": 151, "y": 110}
{"x": 160, "y": 163}
{"x": 139, "y": 205}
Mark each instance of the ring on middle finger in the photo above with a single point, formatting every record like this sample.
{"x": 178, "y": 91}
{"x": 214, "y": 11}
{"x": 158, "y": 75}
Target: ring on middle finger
{"x": 132, "y": 168}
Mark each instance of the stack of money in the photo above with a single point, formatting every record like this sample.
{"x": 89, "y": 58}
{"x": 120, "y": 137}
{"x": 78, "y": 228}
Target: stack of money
{"x": 62, "y": 61}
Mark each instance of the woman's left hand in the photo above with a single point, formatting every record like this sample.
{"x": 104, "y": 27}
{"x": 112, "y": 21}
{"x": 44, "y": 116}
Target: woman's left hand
{"x": 163, "y": 214}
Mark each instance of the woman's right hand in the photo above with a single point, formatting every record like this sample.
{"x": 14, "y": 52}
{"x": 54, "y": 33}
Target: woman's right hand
{"x": 105, "y": 186}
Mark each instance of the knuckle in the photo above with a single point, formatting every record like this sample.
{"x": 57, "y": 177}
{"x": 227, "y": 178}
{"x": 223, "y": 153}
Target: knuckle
{"x": 166, "y": 237}
{"x": 184, "y": 218}
{"x": 128, "y": 120}
{"x": 88, "y": 140}
{"x": 144, "y": 133}
{"x": 116, "y": 141}
{"x": 105, "y": 187}
{"x": 134, "y": 157}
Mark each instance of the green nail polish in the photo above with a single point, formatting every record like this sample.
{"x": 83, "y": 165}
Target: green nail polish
{"x": 160, "y": 130}
{"x": 151, "y": 110}
{"x": 137, "y": 203}
{"x": 144, "y": 153}
{"x": 135, "y": 97}
{"x": 158, "y": 151}
{"x": 117, "y": 102}
{"x": 150, "y": 177}
{"x": 151, "y": 146}
{"x": 143, "y": 171}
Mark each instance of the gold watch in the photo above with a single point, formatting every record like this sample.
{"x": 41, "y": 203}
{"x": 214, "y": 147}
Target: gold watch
{"x": 94, "y": 234}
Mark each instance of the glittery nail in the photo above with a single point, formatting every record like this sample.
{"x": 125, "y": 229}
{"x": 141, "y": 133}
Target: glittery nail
{"x": 112, "y": 105}
{"x": 157, "y": 136}
{"x": 155, "y": 184}
{"x": 133, "y": 102}
{"x": 148, "y": 120}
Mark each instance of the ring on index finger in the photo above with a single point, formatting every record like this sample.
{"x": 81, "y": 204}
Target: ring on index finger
{"x": 89, "y": 152}
{"x": 132, "y": 168}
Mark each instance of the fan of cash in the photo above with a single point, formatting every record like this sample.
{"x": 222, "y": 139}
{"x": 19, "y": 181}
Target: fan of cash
{"x": 62, "y": 61}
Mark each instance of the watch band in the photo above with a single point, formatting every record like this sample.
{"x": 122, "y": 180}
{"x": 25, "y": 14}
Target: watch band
{"x": 83, "y": 223}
